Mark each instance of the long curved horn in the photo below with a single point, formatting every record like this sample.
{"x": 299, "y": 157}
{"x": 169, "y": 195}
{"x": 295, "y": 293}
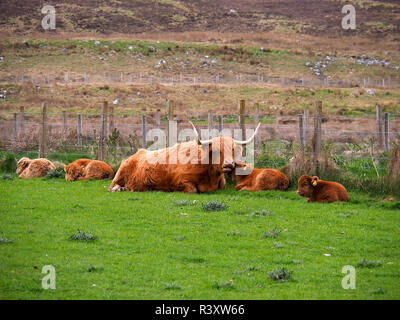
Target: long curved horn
{"x": 199, "y": 142}
{"x": 251, "y": 138}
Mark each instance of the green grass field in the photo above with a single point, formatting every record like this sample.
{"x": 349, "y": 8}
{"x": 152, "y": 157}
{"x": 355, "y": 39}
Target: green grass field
{"x": 158, "y": 246}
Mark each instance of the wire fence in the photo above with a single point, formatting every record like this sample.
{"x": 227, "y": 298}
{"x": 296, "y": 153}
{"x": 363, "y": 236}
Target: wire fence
{"x": 355, "y": 143}
{"x": 186, "y": 79}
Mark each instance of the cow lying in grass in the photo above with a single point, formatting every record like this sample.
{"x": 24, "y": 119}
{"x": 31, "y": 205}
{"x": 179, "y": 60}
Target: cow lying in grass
{"x": 85, "y": 169}
{"x": 317, "y": 190}
{"x": 199, "y": 166}
{"x": 259, "y": 179}
{"x": 27, "y": 168}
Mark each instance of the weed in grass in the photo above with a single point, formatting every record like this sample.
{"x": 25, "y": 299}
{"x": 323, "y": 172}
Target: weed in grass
{"x": 83, "y": 236}
{"x": 179, "y": 238}
{"x": 364, "y": 263}
{"x": 214, "y": 205}
{"x": 295, "y": 261}
{"x": 4, "y": 240}
{"x": 234, "y": 233}
{"x": 263, "y": 213}
{"x": 247, "y": 270}
{"x": 182, "y": 203}
{"x": 224, "y": 285}
{"x": 280, "y": 275}
{"x": 95, "y": 269}
{"x": 278, "y": 245}
{"x": 7, "y": 176}
{"x": 348, "y": 214}
{"x": 171, "y": 286}
{"x": 274, "y": 233}
{"x": 133, "y": 198}
{"x": 378, "y": 291}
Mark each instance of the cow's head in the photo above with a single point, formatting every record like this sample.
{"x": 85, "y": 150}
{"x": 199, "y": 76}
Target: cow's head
{"x": 306, "y": 185}
{"x": 22, "y": 164}
{"x": 225, "y": 149}
{"x": 73, "y": 172}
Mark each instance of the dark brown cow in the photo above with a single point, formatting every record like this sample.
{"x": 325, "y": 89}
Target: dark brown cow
{"x": 317, "y": 190}
{"x": 259, "y": 179}
{"x": 201, "y": 171}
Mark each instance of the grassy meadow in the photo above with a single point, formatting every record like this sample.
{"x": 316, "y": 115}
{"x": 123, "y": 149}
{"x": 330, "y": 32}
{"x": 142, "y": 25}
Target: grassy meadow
{"x": 170, "y": 246}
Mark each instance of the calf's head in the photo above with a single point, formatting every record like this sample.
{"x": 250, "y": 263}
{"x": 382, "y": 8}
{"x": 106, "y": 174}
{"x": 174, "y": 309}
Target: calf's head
{"x": 306, "y": 185}
{"x": 73, "y": 172}
{"x": 22, "y": 164}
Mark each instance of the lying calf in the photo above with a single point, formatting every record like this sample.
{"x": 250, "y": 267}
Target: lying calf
{"x": 259, "y": 179}
{"x": 84, "y": 169}
{"x": 321, "y": 191}
{"x": 27, "y": 168}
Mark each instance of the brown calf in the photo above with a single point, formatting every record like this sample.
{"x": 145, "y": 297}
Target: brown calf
{"x": 321, "y": 191}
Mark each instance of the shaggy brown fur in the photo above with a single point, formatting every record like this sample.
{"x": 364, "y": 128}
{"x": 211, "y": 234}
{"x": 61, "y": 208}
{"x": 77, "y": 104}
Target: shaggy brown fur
{"x": 27, "y": 168}
{"x": 321, "y": 191}
{"x": 152, "y": 170}
{"x": 260, "y": 179}
{"x": 84, "y": 169}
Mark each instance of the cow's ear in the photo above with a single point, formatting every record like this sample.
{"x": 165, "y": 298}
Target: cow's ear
{"x": 314, "y": 181}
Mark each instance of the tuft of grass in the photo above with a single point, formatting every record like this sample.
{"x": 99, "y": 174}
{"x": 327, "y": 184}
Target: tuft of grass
{"x": 182, "y": 203}
{"x": 83, "y": 236}
{"x": 7, "y": 176}
{"x": 274, "y": 233}
{"x": 214, "y": 205}
{"x": 172, "y": 286}
{"x": 364, "y": 263}
{"x": 224, "y": 285}
{"x": 278, "y": 245}
{"x": 4, "y": 240}
{"x": 280, "y": 275}
{"x": 262, "y": 213}
{"x": 95, "y": 269}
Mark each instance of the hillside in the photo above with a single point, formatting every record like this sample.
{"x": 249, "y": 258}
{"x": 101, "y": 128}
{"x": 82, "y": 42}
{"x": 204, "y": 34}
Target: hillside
{"x": 375, "y": 19}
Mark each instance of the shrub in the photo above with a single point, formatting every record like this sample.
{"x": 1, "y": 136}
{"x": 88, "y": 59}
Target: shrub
{"x": 8, "y": 163}
{"x": 55, "y": 173}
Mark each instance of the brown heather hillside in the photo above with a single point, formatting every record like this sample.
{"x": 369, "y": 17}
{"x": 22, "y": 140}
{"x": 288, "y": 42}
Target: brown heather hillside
{"x": 375, "y": 19}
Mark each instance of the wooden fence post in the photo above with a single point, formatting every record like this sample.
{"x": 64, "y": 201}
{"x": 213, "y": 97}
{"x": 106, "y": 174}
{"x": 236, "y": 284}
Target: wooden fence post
{"x": 79, "y": 130}
{"x": 220, "y": 123}
{"x": 301, "y": 128}
{"x": 144, "y": 141}
{"x": 306, "y": 127}
{"x": 242, "y": 124}
{"x": 379, "y": 126}
{"x": 210, "y": 124}
{"x": 22, "y": 119}
{"x": 317, "y": 137}
{"x": 15, "y": 126}
{"x": 64, "y": 116}
{"x": 111, "y": 120}
{"x": 387, "y": 133}
{"x": 43, "y": 132}
{"x": 256, "y": 121}
{"x": 170, "y": 106}
{"x": 103, "y": 132}
{"x": 158, "y": 119}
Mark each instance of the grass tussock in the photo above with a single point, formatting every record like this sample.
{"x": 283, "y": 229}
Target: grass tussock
{"x": 83, "y": 236}
{"x": 214, "y": 205}
{"x": 280, "y": 274}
